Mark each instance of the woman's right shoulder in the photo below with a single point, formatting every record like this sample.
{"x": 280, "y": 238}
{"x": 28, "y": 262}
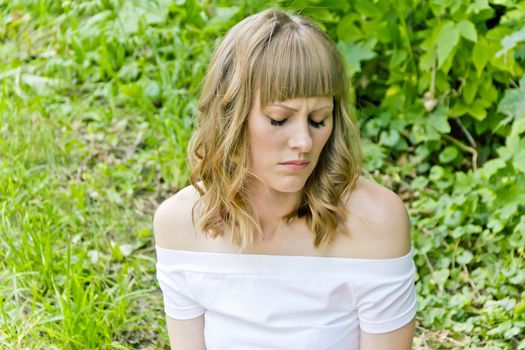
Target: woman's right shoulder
{"x": 172, "y": 221}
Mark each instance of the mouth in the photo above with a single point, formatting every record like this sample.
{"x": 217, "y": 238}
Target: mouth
{"x": 296, "y": 162}
{"x": 295, "y": 165}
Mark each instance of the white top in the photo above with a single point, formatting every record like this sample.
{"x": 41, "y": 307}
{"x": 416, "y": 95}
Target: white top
{"x": 256, "y": 302}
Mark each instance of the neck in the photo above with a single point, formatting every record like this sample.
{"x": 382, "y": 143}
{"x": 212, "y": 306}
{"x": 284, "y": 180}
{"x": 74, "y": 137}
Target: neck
{"x": 271, "y": 206}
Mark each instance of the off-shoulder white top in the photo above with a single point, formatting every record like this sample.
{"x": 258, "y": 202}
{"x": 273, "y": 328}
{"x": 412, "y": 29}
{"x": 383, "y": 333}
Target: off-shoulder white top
{"x": 278, "y": 302}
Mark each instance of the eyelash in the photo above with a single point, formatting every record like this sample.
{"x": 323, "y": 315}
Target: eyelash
{"x": 281, "y": 122}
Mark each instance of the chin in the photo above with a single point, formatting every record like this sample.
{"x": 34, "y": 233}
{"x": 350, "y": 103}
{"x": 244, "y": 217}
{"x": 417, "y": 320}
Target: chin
{"x": 292, "y": 186}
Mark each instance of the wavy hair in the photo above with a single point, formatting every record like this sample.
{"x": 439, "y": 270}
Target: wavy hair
{"x": 283, "y": 56}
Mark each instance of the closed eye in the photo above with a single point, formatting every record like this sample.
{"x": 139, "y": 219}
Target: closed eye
{"x": 277, "y": 122}
{"x": 313, "y": 123}
{"x": 317, "y": 125}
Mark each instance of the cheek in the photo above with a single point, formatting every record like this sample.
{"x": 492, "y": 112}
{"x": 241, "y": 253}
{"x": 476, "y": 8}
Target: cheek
{"x": 323, "y": 139}
{"x": 260, "y": 139}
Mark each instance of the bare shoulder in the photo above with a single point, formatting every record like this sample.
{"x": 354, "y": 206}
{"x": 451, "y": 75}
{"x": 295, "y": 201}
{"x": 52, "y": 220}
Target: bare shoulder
{"x": 172, "y": 222}
{"x": 379, "y": 219}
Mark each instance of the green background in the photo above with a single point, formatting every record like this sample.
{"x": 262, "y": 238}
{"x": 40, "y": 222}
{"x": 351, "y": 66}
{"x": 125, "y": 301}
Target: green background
{"x": 97, "y": 102}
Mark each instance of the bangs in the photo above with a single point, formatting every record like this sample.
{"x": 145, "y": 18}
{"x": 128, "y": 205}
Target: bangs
{"x": 297, "y": 63}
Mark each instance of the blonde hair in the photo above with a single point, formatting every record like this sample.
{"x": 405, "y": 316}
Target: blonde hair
{"x": 283, "y": 56}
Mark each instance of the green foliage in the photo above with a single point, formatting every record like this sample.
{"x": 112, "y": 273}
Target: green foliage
{"x": 97, "y": 102}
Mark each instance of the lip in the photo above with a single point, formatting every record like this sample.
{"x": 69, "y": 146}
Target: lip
{"x": 296, "y": 165}
{"x": 296, "y": 162}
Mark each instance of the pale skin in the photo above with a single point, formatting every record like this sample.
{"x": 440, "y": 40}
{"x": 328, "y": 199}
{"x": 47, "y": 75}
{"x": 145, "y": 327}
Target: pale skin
{"x": 380, "y": 225}
{"x": 296, "y": 129}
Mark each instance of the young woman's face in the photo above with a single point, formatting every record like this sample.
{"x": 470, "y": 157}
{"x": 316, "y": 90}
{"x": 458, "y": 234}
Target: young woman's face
{"x": 295, "y": 130}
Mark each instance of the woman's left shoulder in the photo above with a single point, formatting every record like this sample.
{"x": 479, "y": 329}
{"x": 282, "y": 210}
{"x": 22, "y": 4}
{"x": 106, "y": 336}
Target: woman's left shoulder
{"x": 379, "y": 218}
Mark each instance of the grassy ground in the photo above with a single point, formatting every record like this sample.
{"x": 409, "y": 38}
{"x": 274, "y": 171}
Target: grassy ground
{"x": 96, "y": 106}
{"x": 86, "y": 155}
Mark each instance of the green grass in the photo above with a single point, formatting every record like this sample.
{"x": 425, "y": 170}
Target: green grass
{"x": 86, "y": 155}
{"x": 97, "y": 100}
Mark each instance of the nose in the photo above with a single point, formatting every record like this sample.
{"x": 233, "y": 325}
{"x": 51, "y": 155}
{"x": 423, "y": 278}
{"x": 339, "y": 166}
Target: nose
{"x": 301, "y": 140}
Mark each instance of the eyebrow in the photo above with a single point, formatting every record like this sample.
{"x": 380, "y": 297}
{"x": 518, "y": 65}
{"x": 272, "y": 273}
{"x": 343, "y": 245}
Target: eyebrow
{"x": 295, "y": 110}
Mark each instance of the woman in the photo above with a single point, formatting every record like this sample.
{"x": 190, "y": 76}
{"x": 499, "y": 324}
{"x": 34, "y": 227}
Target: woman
{"x": 279, "y": 243}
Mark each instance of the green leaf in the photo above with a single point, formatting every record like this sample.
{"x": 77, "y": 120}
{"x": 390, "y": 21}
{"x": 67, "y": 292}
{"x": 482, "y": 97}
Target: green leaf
{"x": 443, "y": 3}
{"x": 126, "y": 249}
{"x": 418, "y": 133}
{"x": 436, "y": 172}
{"x": 519, "y": 278}
{"x": 222, "y": 15}
{"x": 477, "y": 6}
{"x": 511, "y": 148}
{"x": 513, "y": 102}
{"x": 336, "y": 5}
{"x": 510, "y": 41}
{"x": 465, "y": 257}
{"x": 519, "y": 160}
{"x": 41, "y": 85}
{"x": 448, "y": 154}
{"x": 488, "y": 90}
{"x": 477, "y": 109}
{"x": 438, "y": 120}
{"x": 509, "y": 334}
{"x": 480, "y": 55}
{"x": 441, "y": 276}
{"x": 518, "y": 126}
{"x": 347, "y": 30}
{"x": 131, "y": 14}
{"x": 492, "y": 166}
{"x": 467, "y": 30}
{"x": 508, "y": 210}
{"x": 398, "y": 57}
{"x": 419, "y": 183}
{"x": 389, "y": 137}
{"x": 129, "y": 72}
{"x": 520, "y": 308}
{"x": 151, "y": 89}
{"x": 374, "y": 155}
{"x": 453, "y": 218}
{"x": 496, "y": 225}
{"x": 516, "y": 239}
{"x": 447, "y": 40}
{"x": 457, "y": 232}
{"x": 518, "y": 236}
{"x": 470, "y": 89}
{"x": 323, "y": 16}
{"x": 427, "y": 60}
{"x": 354, "y": 53}
{"x": 368, "y": 8}
{"x": 459, "y": 109}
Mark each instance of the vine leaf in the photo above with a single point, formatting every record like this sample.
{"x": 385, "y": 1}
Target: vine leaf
{"x": 510, "y": 41}
{"x": 467, "y": 30}
{"x": 447, "y": 39}
{"x": 480, "y": 55}
{"x": 513, "y": 103}
{"x": 354, "y": 53}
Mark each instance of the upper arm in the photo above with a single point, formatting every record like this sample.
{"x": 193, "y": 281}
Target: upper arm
{"x": 172, "y": 221}
{"x": 394, "y": 224}
{"x": 400, "y": 339}
{"x": 172, "y": 226}
{"x": 380, "y": 219}
{"x": 167, "y": 222}
{"x": 387, "y": 232}
{"x": 186, "y": 334}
